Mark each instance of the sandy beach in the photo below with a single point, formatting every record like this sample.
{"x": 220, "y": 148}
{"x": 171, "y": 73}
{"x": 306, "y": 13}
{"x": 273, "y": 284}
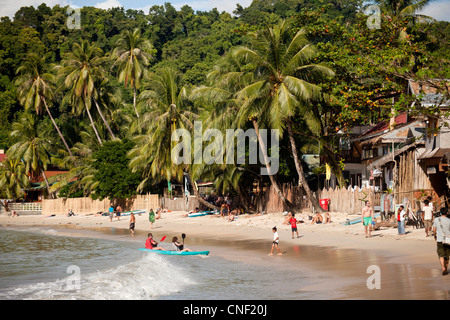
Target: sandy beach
{"x": 339, "y": 253}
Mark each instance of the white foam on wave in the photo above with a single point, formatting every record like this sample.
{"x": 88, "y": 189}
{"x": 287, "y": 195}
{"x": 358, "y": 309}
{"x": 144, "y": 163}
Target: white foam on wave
{"x": 150, "y": 277}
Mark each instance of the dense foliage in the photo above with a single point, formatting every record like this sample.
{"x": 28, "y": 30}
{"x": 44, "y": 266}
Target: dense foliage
{"x": 136, "y": 76}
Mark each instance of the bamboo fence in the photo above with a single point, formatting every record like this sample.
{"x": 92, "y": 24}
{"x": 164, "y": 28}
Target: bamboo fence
{"x": 87, "y": 205}
{"x": 350, "y": 201}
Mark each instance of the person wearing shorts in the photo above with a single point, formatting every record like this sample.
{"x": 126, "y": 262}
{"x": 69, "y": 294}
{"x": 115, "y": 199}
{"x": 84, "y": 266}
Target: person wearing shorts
{"x": 276, "y": 238}
{"x": 111, "y": 213}
{"x": 132, "y": 223}
{"x": 293, "y": 223}
{"x": 441, "y": 228}
{"x": 367, "y": 217}
{"x": 427, "y": 217}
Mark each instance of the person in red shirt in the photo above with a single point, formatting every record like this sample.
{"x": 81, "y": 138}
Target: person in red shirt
{"x": 150, "y": 243}
{"x": 293, "y": 223}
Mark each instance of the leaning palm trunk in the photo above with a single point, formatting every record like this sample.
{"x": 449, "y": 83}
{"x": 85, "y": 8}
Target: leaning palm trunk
{"x": 57, "y": 128}
{"x": 269, "y": 170}
{"x": 93, "y": 125}
{"x": 203, "y": 201}
{"x": 104, "y": 120}
{"x": 134, "y": 101}
{"x": 298, "y": 166}
{"x": 47, "y": 185}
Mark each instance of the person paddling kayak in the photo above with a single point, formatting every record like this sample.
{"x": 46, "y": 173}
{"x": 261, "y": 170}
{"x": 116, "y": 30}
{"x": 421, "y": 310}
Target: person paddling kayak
{"x": 150, "y": 243}
{"x": 179, "y": 246}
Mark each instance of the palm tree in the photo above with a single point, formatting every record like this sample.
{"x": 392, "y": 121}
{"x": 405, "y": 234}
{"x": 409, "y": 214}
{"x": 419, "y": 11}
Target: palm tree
{"x": 168, "y": 109}
{"x": 132, "y": 57}
{"x": 83, "y": 73}
{"x": 13, "y": 178}
{"x": 30, "y": 147}
{"x": 281, "y": 88}
{"x": 81, "y": 165}
{"x": 398, "y": 10}
{"x": 35, "y": 87}
{"x": 403, "y": 8}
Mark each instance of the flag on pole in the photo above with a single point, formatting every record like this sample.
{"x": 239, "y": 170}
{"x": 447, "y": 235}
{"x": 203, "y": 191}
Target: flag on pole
{"x": 328, "y": 171}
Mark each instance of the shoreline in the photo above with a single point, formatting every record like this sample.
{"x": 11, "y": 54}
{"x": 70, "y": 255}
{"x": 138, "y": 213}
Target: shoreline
{"x": 339, "y": 254}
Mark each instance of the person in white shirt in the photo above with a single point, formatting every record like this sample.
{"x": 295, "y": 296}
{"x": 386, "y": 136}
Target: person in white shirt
{"x": 401, "y": 220}
{"x": 276, "y": 238}
{"x": 427, "y": 216}
{"x": 441, "y": 228}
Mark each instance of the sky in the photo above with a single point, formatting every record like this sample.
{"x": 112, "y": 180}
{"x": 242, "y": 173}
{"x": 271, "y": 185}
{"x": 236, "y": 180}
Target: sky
{"x": 438, "y": 9}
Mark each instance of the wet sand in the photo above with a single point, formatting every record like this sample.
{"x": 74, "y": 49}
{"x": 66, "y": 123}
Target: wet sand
{"x": 338, "y": 256}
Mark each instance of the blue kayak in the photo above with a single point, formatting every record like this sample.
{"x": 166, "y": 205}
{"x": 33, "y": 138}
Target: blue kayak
{"x": 200, "y": 214}
{"x": 176, "y": 253}
{"x": 356, "y": 220}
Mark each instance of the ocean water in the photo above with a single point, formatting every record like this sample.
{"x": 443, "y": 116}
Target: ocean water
{"x": 62, "y": 263}
{"x": 48, "y": 264}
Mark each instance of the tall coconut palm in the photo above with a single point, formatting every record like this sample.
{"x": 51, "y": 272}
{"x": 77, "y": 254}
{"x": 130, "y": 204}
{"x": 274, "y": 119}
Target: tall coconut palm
{"x": 132, "y": 55}
{"x": 403, "y": 8}
{"x": 167, "y": 109}
{"x": 399, "y": 10}
{"x": 35, "y": 87}
{"x": 282, "y": 88}
{"x": 31, "y": 147}
{"x": 82, "y": 70}
{"x": 13, "y": 179}
{"x": 81, "y": 166}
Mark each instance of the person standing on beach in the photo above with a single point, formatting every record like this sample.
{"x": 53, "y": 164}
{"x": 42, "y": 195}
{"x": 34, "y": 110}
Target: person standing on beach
{"x": 366, "y": 218}
{"x": 401, "y": 220}
{"x": 118, "y": 212}
{"x": 276, "y": 238}
{"x": 151, "y": 218}
{"x": 132, "y": 223}
{"x": 427, "y": 216}
{"x": 293, "y": 223}
{"x": 111, "y": 212}
{"x": 441, "y": 228}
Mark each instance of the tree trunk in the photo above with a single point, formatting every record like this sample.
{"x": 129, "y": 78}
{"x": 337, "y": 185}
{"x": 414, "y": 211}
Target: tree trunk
{"x": 271, "y": 176}
{"x": 298, "y": 166}
{"x": 104, "y": 120}
{"x": 47, "y": 185}
{"x": 134, "y": 100}
{"x": 93, "y": 125}
{"x": 57, "y": 128}
{"x": 244, "y": 200}
{"x": 201, "y": 200}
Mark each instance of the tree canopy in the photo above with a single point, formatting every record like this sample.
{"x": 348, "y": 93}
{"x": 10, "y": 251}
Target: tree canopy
{"x": 110, "y": 94}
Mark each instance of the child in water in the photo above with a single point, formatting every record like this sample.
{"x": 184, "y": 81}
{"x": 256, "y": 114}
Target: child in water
{"x": 276, "y": 238}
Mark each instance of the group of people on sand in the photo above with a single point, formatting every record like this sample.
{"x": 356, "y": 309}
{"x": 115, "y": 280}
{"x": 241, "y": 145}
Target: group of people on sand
{"x": 438, "y": 223}
{"x": 292, "y": 221}
{"x": 218, "y": 200}
{"x": 316, "y": 219}
{"x": 152, "y": 217}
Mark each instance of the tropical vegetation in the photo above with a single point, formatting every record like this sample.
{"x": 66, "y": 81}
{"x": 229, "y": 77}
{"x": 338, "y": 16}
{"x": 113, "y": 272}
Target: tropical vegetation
{"x": 104, "y": 101}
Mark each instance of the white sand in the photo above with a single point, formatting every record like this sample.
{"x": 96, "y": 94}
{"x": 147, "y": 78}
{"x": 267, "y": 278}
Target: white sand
{"x": 414, "y": 246}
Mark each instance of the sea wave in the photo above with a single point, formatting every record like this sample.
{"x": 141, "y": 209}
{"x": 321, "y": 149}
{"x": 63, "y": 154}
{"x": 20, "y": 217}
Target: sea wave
{"x": 150, "y": 277}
